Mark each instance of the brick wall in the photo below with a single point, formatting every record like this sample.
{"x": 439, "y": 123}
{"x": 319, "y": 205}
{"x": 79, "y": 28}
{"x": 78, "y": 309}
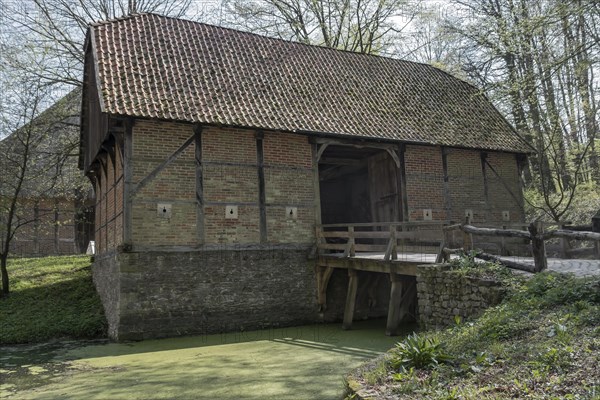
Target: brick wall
{"x": 51, "y": 230}
{"x": 230, "y": 178}
{"x": 289, "y": 183}
{"x": 465, "y": 187}
{"x": 424, "y": 182}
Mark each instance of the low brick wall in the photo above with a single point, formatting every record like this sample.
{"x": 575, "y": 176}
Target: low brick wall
{"x": 160, "y": 294}
{"x": 442, "y": 295}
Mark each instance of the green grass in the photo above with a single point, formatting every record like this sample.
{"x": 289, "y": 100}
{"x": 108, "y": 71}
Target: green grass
{"x": 542, "y": 342}
{"x": 51, "y": 297}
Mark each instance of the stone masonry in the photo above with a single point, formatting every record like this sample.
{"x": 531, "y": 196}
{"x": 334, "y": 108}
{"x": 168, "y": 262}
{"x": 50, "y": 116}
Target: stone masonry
{"x": 443, "y": 295}
{"x": 161, "y": 294}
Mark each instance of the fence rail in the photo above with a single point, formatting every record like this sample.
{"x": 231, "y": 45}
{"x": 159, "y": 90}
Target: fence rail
{"x": 438, "y": 237}
{"x": 379, "y": 237}
{"x": 535, "y": 234}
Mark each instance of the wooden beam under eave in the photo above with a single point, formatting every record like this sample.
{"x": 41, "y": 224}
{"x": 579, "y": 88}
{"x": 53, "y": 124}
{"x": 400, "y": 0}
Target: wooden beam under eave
{"x": 342, "y": 161}
{"x": 338, "y": 171}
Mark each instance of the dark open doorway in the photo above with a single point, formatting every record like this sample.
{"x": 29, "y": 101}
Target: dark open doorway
{"x": 359, "y": 185}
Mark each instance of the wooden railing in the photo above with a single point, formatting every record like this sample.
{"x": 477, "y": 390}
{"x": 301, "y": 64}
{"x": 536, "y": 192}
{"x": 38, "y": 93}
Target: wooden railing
{"x": 535, "y": 233}
{"x": 379, "y": 237}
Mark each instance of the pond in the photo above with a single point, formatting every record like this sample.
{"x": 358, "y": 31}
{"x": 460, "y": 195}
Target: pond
{"x": 304, "y": 362}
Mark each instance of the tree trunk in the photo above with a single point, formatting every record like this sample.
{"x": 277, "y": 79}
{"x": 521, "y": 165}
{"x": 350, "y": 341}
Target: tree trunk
{"x": 5, "y": 282}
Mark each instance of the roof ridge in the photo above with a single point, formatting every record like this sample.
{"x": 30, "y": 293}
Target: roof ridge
{"x": 121, "y": 18}
{"x": 294, "y": 42}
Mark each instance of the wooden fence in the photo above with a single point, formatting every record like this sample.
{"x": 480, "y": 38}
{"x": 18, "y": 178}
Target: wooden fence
{"x": 390, "y": 239}
{"x": 387, "y": 238}
{"x": 535, "y": 234}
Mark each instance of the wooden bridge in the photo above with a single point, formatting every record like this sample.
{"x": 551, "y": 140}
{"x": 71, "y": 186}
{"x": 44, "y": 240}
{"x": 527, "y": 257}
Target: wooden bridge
{"x": 396, "y": 248}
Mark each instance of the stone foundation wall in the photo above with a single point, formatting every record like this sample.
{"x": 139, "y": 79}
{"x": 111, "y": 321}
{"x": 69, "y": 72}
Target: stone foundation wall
{"x": 161, "y": 294}
{"x": 105, "y": 273}
{"x": 442, "y": 295}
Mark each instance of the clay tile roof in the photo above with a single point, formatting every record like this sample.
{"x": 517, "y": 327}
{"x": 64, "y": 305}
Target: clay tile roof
{"x": 158, "y": 67}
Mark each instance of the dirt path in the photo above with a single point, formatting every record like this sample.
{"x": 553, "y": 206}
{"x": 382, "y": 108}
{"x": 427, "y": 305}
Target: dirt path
{"x": 305, "y": 362}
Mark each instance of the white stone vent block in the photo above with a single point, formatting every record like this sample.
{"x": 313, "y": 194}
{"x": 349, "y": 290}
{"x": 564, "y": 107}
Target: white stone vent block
{"x": 427, "y": 214}
{"x": 231, "y": 212}
{"x": 164, "y": 210}
{"x": 291, "y": 213}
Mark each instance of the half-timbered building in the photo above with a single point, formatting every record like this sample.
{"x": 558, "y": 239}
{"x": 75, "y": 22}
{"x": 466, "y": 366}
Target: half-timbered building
{"x": 218, "y": 156}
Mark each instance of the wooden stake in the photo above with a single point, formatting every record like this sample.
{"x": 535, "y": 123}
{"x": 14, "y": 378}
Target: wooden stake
{"x": 394, "y": 306}
{"x": 538, "y": 246}
{"x": 350, "y": 299}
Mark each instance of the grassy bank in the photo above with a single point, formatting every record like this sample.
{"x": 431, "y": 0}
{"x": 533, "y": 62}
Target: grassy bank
{"x": 51, "y": 297}
{"x": 542, "y": 342}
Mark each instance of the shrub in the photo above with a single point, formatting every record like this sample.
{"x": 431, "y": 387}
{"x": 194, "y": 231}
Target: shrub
{"x": 417, "y": 351}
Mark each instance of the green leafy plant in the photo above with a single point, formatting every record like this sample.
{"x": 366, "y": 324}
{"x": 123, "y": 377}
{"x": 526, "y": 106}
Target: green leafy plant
{"x": 417, "y": 351}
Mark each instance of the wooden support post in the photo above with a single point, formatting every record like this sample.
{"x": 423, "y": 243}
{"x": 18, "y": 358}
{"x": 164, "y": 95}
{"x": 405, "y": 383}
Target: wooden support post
{"x": 446, "y": 242}
{"x": 486, "y": 197}
{"x": 262, "y": 202}
{"x": 395, "y": 314}
{"x": 350, "y": 299}
{"x": 538, "y": 246}
{"x": 467, "y": 237}
{"x": 403, "y": 194}
{"x": 323, "y": 276}
{"x": 351, "y": 242}
{"x": 128, "y": 183}
{"x": 199, "y": 185}
{"x": 316, "y": 183}
{"x": 391, "y": 252}
{"x": 446, "y": 176}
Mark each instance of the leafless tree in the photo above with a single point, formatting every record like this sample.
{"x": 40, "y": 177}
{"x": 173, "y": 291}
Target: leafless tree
{"x": 59, "y": 26}
{"x": 538, "y": 60}
{"x": 34, "y": 159}
{"x": 364, "y": 26}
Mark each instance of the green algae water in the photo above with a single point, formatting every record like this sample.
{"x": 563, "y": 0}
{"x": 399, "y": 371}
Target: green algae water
{"x": 304, "y": 362}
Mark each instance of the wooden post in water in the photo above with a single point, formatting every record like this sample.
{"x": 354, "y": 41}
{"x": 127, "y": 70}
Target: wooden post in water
{"x": 394, "y": 309}
{"x": 538, "y": 246}
{"x": 350, "y": 299}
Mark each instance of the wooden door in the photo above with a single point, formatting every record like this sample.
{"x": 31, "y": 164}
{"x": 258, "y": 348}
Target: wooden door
{"x": 383, "y": 188}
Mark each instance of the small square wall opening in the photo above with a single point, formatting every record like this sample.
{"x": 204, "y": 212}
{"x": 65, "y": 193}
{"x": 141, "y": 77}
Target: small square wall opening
{"x": 427, "y": 214}
{"x": 469, "y": 214}
{"x": 164, "y": 210}
{"x": 231, "y": 212}
{"x": 291, "y": 213}
{"x": 505, "y": 216}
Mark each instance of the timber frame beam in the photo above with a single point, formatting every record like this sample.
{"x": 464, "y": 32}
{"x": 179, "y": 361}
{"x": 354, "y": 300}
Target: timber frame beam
{"x": 150, "y": 177}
